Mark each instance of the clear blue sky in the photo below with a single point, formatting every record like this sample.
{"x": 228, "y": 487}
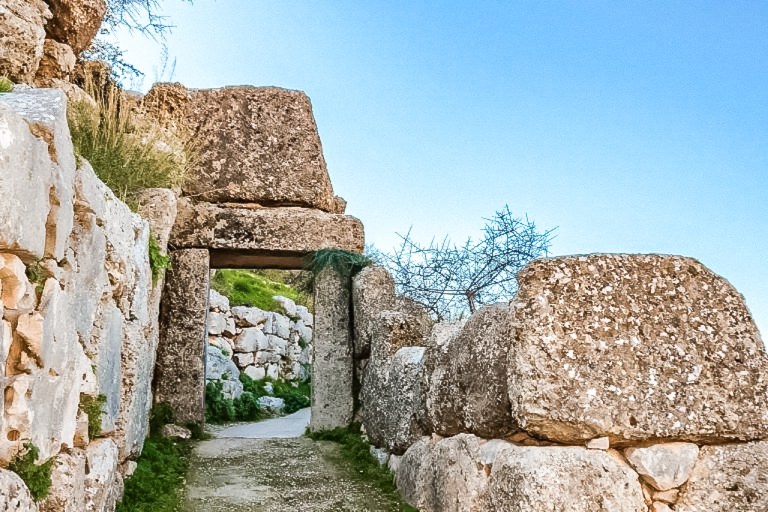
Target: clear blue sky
{"x": 632, "y": 126}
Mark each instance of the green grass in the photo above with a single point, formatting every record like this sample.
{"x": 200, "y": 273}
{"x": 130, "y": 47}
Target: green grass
{"x": 5, "y": 84}
{"x": 126, "y": 154}
{"x": 36, "y": 477}
{"x": 246, "y": 407}
{"x": 356, "y": 455}
{"x": 253, "y": 288}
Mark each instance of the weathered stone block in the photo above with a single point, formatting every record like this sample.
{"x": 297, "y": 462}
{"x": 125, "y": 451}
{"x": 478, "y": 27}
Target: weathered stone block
{"x": 67, "y": 493}
{"x": 75, "y": 22}
{"x": 373, "y": 290}
{"x": 15, "y": 494}
{"x": 180, "y": 373}
{"x": 599, "y": 338}
{"x": 254, "y": 144}
{"x": 22, "y": 34}
{"x": 664, "y": 465}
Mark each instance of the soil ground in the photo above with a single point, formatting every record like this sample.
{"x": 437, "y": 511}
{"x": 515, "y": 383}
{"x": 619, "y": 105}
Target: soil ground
{"x": 250, "y": 468}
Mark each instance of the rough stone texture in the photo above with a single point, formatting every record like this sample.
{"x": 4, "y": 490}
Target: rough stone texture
{"x": 67, "y": 492}
{"x": 75, "y": 22}
{"x": 373, "y": 290}
{"x": 158, "y": 206}
{"x": 22, "y": 34}
{"x": 635, "y": 347}
{"x": 103, "y": 481}
{"x": 467, "y": 377}
{"x": 180, "y": 372}
{"x": 255, "y": 144}
{"x": 728, "y": 478}
{"x": 57, "y": 63}
{"x": 332, "y": 368}
{"x": 15, "y": 496}
{"x": 281, "y": 230}
{"x": 664, "y": 466}
{"x": 535, "y": 478}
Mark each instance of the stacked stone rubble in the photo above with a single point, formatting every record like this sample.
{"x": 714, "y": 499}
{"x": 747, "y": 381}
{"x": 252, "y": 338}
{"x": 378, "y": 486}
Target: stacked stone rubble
{"x": 258, "y": 343}
{"x": 78, "y": 307}
{"x": 610, "y": 382}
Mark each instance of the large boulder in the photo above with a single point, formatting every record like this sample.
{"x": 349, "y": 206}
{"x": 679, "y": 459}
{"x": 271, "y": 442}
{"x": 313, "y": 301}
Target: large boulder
{"x": 75, "y": 22}
{"x": 67, "y": 493}
{"x": 728, "y": 478}
{"x": 254, "y": 144}
{"x": 633, "y": 348}
{"x": 467, "y": 377}
{"x": 535, "y": 478}
{"x": 15, "y": 495}
{"x": 57, "y": 64}
{"x": 22, "y": 35}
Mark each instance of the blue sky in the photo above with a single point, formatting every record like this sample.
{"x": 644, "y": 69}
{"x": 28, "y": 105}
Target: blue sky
{"x": 631, "y": 126}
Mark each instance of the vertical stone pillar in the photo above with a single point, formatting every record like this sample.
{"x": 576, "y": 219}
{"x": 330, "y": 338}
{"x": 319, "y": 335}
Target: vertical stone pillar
{"x": 180, "y": 366}
{"x": 332, "y": 364}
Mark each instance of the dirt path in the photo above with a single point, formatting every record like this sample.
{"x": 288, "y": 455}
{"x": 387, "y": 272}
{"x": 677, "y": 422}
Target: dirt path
{"x": 239, "y": 474}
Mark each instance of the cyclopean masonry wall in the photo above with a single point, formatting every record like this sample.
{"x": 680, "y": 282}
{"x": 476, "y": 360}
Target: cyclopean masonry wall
{"x": 259, "y": 197}
{"x": 610, "y": 382}
{"x": 79, "y": 310}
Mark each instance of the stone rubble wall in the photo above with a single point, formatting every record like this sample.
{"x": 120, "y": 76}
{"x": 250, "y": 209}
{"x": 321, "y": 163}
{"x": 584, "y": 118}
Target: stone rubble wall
{"x": 258, "y": 343}
{"x": 78, "y": 306}
{"x": 609, "y": 383}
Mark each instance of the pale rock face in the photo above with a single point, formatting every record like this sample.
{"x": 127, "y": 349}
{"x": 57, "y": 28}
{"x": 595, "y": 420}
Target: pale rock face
{"x": 288, "y": 305}
{"x": 467, "y": 377}
{"x": 218, "y": 301}
{"x": 57, "y": 63}
{"x": 599, "y": 443}
{"x": 255, "y": 373}
{"x": 664, "y": 466}
{"x": 728, "y": 478}
{"x": 306, "y": 317}
{"x": 67, "y": 493}
{"x": 75, "y": 22}
{"x": 249, "y": 316}
{"x": 217, "y": 322}
{"x": 600, "y": 338}
{"x": 278, "y": 325}
{"x": 534, "y": 478}
{"x": 13, "y": 277}
{"x": 103, "y": 478}
{"x": 271, "y": 154}
{"x": 251, "y": 340}
{"x": 373, "y": 290}
{"x": 15, "y": 496}
{"x": 273, "y": 371}
{"x": 219, "y": 366}
{"x": 22, "y": 34}
{"x": 244, "y": 359}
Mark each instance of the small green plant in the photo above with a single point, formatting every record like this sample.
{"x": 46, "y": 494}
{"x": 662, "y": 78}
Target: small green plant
{"x": 345, "y": 263}
{"x": 161, "y": 414}
{"x": 158, "y": 261}
{"x": 246, "y": 407}
{"x": 5, "y": 84}
{"x": 355, "y": 453}
{"x": 93, "y": 406}
{"x": 36, "y": 477}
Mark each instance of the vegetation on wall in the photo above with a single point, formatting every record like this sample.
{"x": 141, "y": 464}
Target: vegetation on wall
{"x": 345, "y": 263}
{"x": 5, "y": 84}
{"x": 246, "y": 407}
{"x": 36, "y": 477}
{"x": 158, "y": 261}
{"x": 356, "y": 454}
{"x": 93, "y": 406}
{"x": 255, "y": 288}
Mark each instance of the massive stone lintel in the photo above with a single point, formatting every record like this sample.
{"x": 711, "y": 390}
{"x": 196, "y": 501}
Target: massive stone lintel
{"x": 332, "y": 365}
{"x": 252, "y": 144}
{"x": 269, "y": 230}
{"x": 180, "y": 370}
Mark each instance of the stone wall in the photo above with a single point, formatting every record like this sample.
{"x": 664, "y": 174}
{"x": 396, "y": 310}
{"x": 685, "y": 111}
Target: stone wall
{"x": 259, "y": 343}
{"x": 610, "y": 382}
{"x": 79, "y": 310}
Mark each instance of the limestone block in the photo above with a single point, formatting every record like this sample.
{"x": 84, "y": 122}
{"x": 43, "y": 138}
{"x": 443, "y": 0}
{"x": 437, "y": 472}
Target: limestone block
{"x": 273, "y": 371}
{"x": 251, "y": 339}
{"x": 230, "y": 329}
{"x": 15, "y": 495}
{"x": 278, "y": 325}
{"x": 276, "y": 344}
{"x": 665, "y": 465}
{"x": 533, "y": 478}
{"x": 176, "y": 431}
{"x": 726, "y": 478}
{"x": 287, "y": 230}
{"x": 103, "y": 475}
{"x": 180, "y": 368}
{"x": 67, "y": 493}
{"x": 289, "y": 306}
{"x": 246, "y": 316}
{"x": 75, "y": 22}
{"x": 244, "y": 360}
{"x": 255, "y": 144}
{"x": 14, "y": 283}
{"x": 332, "y": 373}
{"x": 217, "y": 322}
{"x": 373, "y": 290}
{"x": 218, "y": 302}
{"x": 22, "y": 34}
{"x": 394, "y": 413}
{"x": 305, "y": 315}
{"x": 598, "y": 338}
{"x": 599, "y": 443}
{"x": 57, "y": 63}
{"x": 467, "y": 377}
{"x": 107, "y": 342}
{"x": 218, "y": 366}
{"x": 304, "y": 333}
{"x": 255, "y": 372}
{"x": 445, "y": 475}
{"x": 158, "y": 206}
{"x": 45, "y": 112}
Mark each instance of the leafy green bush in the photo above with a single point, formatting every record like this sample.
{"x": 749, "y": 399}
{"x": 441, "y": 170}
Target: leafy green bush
{"x": 36, "y": 477}
{"x": 126, "y": 153}
{"x": 355, "y": 452}
{"x": 253, "y": 288}
{"x": 93, "y": 406}
{"x": 345, "y": 263}
{"x": 5, "y": 84}
{"x": 157, "y": 483}
{"x": 158, "y": 261}
{"x": 246, "y": 407}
